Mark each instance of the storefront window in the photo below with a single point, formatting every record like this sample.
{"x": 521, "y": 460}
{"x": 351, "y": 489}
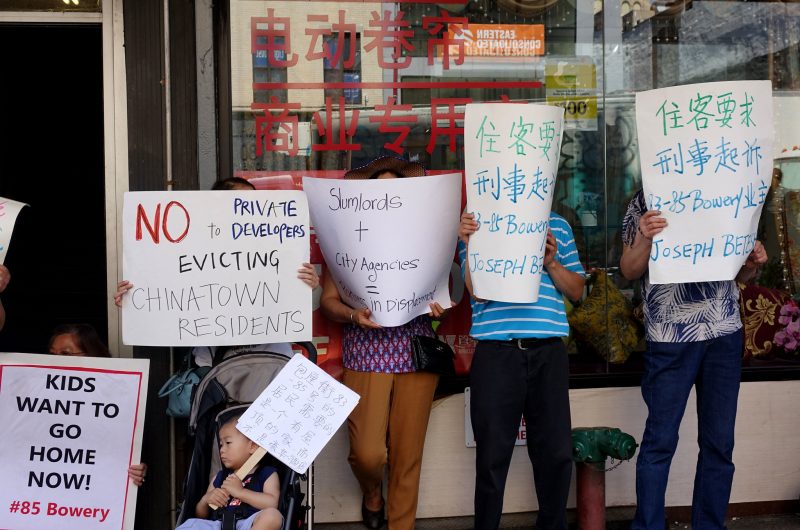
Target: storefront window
{"x": 321, "y": 87}
{"x": 85, "y": 6}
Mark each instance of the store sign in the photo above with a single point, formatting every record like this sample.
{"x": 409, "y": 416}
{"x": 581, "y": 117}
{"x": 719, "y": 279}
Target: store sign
{"x": 213, "y": 268}
{"x": 573, "y": 85}
{"x": 706, "y": 155}
{"x": 498, "y": 40}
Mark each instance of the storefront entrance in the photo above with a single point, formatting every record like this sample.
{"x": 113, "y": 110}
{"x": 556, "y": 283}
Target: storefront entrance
{"x": 51, "y": 157}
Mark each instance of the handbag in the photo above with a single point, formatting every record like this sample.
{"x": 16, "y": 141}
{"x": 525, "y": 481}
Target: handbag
{"x": 179, "y": 389}
{"x": 432, "y": 355}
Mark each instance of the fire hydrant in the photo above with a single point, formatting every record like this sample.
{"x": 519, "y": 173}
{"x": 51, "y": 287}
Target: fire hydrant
{"x": 590, "y": 448}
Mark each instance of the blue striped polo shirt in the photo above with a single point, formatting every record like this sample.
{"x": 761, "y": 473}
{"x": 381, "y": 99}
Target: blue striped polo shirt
{"x": 493, "y": 320}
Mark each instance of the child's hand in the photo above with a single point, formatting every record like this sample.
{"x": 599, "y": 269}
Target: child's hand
{"x": 218, "y": 497}
{"x": 233, "y": 485}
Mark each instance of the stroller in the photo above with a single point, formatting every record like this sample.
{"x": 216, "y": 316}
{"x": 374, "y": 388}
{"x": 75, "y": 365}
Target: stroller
{"x": 231, "y": 385}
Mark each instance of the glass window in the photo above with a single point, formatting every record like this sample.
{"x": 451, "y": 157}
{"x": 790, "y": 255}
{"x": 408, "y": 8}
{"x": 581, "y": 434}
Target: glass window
{"x": 319, "y": 87}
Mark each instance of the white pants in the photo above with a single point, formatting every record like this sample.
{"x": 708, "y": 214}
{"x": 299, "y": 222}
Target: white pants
{"x": 205, "y": 524}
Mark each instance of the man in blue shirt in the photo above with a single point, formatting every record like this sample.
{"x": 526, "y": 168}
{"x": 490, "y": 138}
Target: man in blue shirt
{"x": 520, "y": 369}
{"x": 694, "y": 338}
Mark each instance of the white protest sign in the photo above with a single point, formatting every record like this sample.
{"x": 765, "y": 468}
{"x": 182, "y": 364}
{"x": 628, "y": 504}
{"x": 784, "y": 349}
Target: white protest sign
{"x": 298, "y": 413}
{"x": 215, "y": 268}
{"x": 511, "y": 162}
{"x": 9, "y": 210}
{"x": 706, "y": 155}
{"x": 72, "y": 426}
{"x": 388, "y": 243}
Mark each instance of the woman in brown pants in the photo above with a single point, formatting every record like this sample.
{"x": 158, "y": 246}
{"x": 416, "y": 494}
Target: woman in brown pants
{"x": 389, "y": 424}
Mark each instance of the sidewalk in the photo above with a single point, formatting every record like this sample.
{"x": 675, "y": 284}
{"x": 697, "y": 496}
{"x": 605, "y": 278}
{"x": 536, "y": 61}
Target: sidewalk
{"x": 525, "y": 520}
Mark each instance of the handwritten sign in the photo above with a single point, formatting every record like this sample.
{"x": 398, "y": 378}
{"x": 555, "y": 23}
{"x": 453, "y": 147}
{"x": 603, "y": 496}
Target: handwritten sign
{"x": 298, "y": 413}
{"x": 9, "y": 210}
{"x": 706, "y": 155}
{"x": 72, "y": 426}
{"x": 215, "y": 268}
{"x": 388, "y": 243}
{"x": 512, "y": 154}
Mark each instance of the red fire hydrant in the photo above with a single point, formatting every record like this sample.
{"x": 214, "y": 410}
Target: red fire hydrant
{"x": 590, "y": 448}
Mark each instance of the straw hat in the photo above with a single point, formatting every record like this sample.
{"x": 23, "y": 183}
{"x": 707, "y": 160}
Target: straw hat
{"x": 387, "y": 163}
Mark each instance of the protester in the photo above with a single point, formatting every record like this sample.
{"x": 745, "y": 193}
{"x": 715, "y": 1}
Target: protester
{"x": 77, "y": 339}
{"x": 82, "y": 340}
{"x": 520, "y": 369}
{"x": 254, "y": 500}
{"x": 5, "y": 277}
{"x": 390, "y": 421}
{"x": 694, "y": 337}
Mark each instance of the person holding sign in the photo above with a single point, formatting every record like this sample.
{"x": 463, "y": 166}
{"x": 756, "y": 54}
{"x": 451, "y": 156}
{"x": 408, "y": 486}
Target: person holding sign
{"x": 395, "y": 399}
{"x": 5, "y": 277}
{"x": 520, "y": 368}
{"x": 254, "y": 500}
{"x": 82, "y": 340}
{"x": 694, "y": 337}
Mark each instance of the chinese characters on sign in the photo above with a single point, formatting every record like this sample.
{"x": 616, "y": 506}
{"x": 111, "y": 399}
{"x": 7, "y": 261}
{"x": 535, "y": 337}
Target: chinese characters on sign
{"x": 298, "y": 413}
{"x": 330, "y": 40}
{"x": 706, "y": 155}
{"x": 512, "y": 154}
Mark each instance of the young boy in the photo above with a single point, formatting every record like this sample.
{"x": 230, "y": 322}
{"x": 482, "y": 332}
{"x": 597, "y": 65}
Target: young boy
{"x": 255, "y": 498}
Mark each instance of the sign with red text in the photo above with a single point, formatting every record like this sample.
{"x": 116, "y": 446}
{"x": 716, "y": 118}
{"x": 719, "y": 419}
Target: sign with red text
{"x": 388, "y": 243}
{"x": 511, "y": 161}
{"x": 215, "y": 268}
{"x": 706, "y": 156}
{"x": 296, "y": 416}
{"x": 9, "y": 210}
{"x": 72, "y": 427}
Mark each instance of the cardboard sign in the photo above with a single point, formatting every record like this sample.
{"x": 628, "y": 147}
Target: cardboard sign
{"x": 9, "y": 210}
{"x": 72, "y": 427}
{"x": 215, "y": 268}
{"x": 388, "y": 243}
{"x": 512, "y": 154}
{"x": 298, "y": 413}
{"x": 706, "y": 156}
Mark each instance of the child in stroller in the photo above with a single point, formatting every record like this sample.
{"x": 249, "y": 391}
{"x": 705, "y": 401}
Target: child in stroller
{"x": 252, "y": 502}
{"x": 226, "y": 391}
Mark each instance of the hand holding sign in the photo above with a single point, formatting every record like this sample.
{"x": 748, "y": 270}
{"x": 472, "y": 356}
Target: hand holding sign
{"x": 9, "y": 210}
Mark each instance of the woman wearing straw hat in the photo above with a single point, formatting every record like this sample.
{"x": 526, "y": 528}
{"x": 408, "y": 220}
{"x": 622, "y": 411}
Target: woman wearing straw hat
{"x": 395, "y": 399}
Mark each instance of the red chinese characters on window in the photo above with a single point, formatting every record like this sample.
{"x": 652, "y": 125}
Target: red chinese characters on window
{"x": 450, "y": 116}
{"x": 446, "y": 25}
{"x": 388, "y": 117}
{"x": 342, "y": 30}
{"x": 278, "y": 132}
{"x": 271, "y": 35}
{"x": 392, "y": 34}
{"x": 327, "y": 129}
